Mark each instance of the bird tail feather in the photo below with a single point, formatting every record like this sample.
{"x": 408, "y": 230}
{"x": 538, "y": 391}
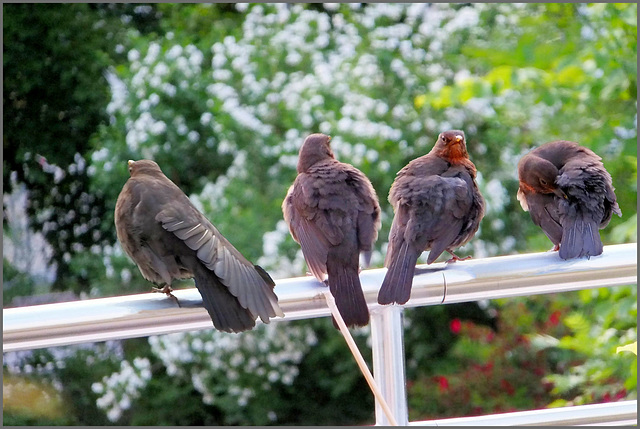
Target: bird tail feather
{"x": 580, "y": 237}
{"x": 225, "y": 310}
{"x": 344, "y": 284}
{"x": 396, "y": 286}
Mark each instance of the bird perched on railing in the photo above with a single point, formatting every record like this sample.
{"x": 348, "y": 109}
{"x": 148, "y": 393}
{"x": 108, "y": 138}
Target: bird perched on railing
{"x": 333, "y": 212}
{"x": 438, "y": 207}
{"x": 569, "y": 194}
{"x": 168, "y": 238}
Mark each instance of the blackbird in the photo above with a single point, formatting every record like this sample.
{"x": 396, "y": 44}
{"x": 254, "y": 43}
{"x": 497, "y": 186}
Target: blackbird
{"x": 168, "y": 238}
{"x": 437, "y": 207}
{"x": 569, "y": 194}
{"x": 333, "y": 212}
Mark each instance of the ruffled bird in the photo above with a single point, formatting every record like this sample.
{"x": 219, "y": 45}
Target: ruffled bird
{"x": 569, "y": 194}
{"x": 437, "y": 207}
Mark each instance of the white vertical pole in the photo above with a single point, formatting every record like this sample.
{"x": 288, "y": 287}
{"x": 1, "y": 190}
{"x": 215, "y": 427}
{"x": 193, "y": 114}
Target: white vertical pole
{"x": 387, "y": 345}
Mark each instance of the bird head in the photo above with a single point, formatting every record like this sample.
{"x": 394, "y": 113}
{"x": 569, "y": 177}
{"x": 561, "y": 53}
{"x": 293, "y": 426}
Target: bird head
{"x": 451, "y": 145}
{"x": 143, "y": 166}
{"x": 315, "y": 148}
{"x": 539, "y": 175}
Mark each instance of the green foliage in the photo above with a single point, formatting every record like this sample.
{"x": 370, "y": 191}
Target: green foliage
{"x": 15, "y": 283}
{"x": 234, "y": 379}
{"x": 597, "y": 328}
{"x": 315, "y": 398}
{"x": 175, "y": 403}
{"x": 491, "y": 371}
{"x": 55, "y": 96}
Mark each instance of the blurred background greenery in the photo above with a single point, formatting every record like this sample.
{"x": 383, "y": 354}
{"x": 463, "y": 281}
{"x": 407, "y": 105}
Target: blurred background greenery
{"x": 222, "y": 96}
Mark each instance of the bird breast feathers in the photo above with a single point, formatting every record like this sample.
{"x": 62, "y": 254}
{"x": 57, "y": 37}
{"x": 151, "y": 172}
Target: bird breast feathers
{"x": 433, "y": 190}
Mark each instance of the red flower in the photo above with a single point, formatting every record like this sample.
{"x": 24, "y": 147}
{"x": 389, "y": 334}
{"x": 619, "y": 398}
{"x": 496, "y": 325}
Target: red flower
{"x": 621, "y": 394}
{"x": 507, "y": 387}
{"x": 443, "y": 383}
{"x": 477, "y": 410}
{"x": 554, "y": 318}
{"x": 487, "y": 367}
{"x": 455, "y": 326}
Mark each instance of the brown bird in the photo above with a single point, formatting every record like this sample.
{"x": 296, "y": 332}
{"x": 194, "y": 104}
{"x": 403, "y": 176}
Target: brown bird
{"x": 333, "y": 212}
{"x": 168, "y": 238}
{"x": 437, "y": 207}
{"x": 569, "y": 194}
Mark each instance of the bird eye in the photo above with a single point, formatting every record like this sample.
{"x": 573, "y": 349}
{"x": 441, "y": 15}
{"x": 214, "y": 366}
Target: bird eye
{"x": 543, "y": 182}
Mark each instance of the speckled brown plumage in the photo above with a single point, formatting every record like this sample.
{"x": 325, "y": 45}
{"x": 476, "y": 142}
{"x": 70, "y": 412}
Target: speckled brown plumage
{"x": 437, "y": 207}
{"x": 569, "y": 194}
{"x": 332, "y": 210}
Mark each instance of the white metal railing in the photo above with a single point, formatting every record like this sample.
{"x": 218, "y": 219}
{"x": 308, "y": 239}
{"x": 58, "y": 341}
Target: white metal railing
{"x": 300, "y": 298}
{"x": 623, "y": 413}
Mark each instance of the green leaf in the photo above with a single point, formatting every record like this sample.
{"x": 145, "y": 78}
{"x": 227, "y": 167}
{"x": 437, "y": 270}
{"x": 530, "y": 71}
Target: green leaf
{"x": 571, "y": 75}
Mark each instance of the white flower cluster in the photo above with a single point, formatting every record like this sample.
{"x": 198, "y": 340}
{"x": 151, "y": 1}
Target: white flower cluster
{"x": 46, "y": 361}
{"x": 271, "y": 242}
{"x": 120, "y": 388}
{"x": 329, "y": 58}
{"x": 238, "y": 367}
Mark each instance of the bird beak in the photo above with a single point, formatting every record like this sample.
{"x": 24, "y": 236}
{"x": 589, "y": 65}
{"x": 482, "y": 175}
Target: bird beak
{"x": 130, "y": 163}
{"x": 560, "y": 193}
{"x": 458, "y": 138}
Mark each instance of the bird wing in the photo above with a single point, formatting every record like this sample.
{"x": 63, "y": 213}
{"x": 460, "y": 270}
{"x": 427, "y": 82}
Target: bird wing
{"x": 135, "y": 208}
{"x": 396, "y": 234}
{"x": 368, "y": 222}
{"x": 302, "y": 214}
{"x": 545, "y": 212}
{"x": 227, "y": 314}
{"x": 249, "y": 283}
{"x": 324, "y": 204}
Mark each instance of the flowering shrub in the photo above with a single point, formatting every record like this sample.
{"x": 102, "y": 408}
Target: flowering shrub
{"x": 70, "y": 371}
{"x": 121, "y": 388}
{"x": 490, "y": 371}
{"x": 596, "y": 329}
{"x": 230, "y": 372}
{"x": 544, "y": 353}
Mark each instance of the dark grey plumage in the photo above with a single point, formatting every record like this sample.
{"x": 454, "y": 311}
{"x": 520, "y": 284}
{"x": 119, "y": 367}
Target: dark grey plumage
{"x": 569, "y": 194}
{"x": 332, "y": 210}
{"x": 168, "y": 238}
{"x": 437, "y": 207}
